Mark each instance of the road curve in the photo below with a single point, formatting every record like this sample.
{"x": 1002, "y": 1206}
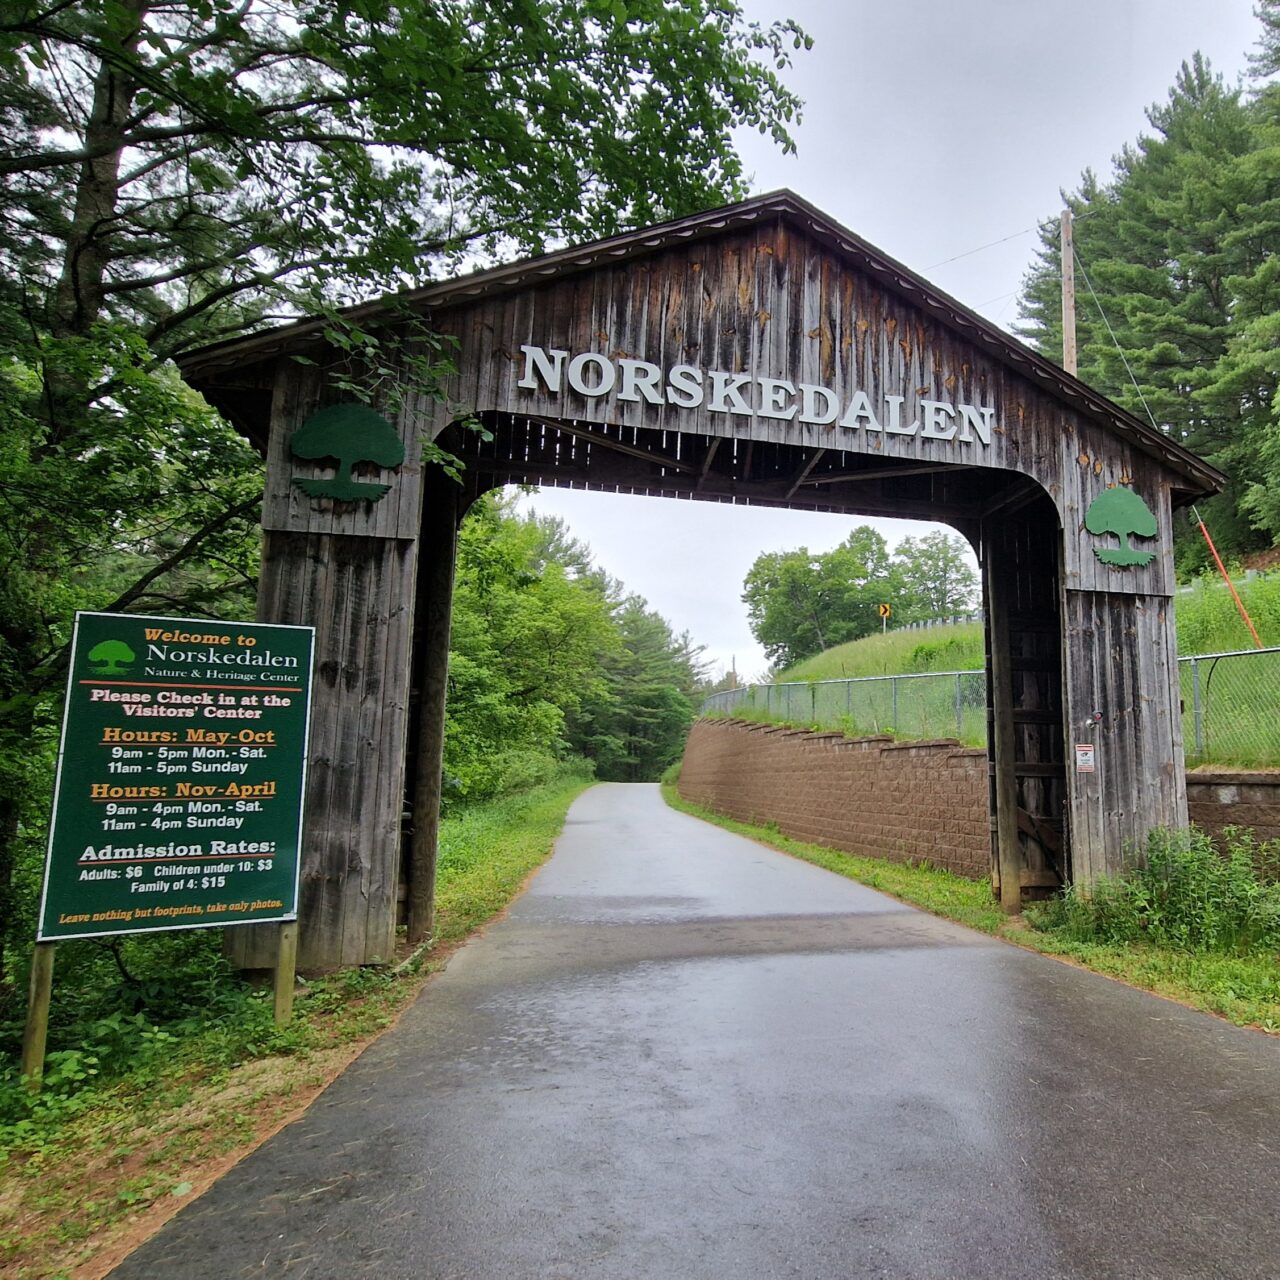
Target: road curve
{"x": 683, "y": 1055}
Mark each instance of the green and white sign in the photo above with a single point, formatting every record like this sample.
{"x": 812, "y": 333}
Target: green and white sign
{"x": 181, "y": 776}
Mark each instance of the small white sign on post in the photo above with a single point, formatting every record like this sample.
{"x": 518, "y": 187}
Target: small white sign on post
{"x": 1085, "y": 757}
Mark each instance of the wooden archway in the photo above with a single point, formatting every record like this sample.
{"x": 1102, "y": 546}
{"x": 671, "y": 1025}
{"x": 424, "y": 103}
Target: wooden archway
{"x": 756, "y": 354}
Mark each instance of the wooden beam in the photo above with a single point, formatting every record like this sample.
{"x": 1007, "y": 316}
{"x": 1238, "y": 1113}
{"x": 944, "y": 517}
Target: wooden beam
{"x": 285, "y": 972}
{"x": 707, "y": 460}
{"x": 1034, "y": 769}
{"x": 1012, "y": 498}
{"x": 800, "y": 475}
{"x": 717, "y": 487}
{"x": 887, "y": 473}
{"x": 608, "y": 442}
{"x": 1008, "y": 845}
{"x": 39, "y": 995}
{"x": 1026, "y": 662}
{"x": 434, "y": 607}
{"x": 1038, "y": 829}
{"x": 1046, "y": 879}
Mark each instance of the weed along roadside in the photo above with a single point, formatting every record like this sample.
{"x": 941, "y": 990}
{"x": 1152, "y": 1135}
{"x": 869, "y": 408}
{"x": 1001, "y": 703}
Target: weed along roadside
{"x": 1199, "y": 925}
{"x": 136, "y": 1119}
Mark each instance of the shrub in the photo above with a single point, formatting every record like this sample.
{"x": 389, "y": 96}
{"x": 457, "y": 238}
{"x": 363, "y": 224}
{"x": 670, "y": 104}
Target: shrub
{"x": 1187, "y": 895}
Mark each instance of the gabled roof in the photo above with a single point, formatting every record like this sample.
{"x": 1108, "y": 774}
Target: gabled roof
{"x": 202, "y": 367}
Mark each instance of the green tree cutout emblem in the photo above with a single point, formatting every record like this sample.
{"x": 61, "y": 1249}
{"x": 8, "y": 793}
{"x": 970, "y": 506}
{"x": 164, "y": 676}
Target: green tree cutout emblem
{"x": 1122, "y": 512}
{"x": 350, "y": 434}
{"x": 111, "y": 658}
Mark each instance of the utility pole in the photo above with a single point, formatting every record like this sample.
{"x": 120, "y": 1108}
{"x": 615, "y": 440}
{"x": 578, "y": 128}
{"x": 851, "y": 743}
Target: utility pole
{"x": 1068, "y": 296}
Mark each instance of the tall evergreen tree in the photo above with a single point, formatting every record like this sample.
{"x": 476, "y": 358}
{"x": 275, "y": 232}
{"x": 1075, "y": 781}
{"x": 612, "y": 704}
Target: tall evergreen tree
{"x": 638, "y": 727}
{"x": 1170, "y": 248}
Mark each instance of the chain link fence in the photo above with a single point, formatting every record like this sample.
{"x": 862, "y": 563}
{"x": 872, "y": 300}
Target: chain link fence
{"x": 942, "y": 704}
{"x": 1230, "y": 706}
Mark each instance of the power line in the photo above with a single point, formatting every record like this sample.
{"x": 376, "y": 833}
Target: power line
{"x": 1128, "y": 368}
{"x": 968, "y": 253}
{"x": 1026, "y": 231}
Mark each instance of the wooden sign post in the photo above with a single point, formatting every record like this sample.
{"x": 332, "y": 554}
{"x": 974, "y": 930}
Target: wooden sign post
{"x": 180, "y": 783}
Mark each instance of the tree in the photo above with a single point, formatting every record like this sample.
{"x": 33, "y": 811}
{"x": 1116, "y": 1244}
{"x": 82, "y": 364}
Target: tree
{"x": 1265, "y": 60}
{"x": 529, "y": 644}
{"x": 1180, "y": 247}
{"x": 636, "y": 726}
{"x": 935, "y": 577}
{"x": 197, "y": 164}
{"x": 799, "y": 604}
{"x": 551, "y": 658}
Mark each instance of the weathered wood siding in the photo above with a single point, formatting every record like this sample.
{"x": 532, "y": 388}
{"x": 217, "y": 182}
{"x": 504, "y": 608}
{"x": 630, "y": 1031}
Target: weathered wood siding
{"x": 1020, "y": 559}
{"x": 769, "y": 303}
{"x": 299, "y": 391}
{"x": 1122, "y": 666}
{"x": 348, "y": 570}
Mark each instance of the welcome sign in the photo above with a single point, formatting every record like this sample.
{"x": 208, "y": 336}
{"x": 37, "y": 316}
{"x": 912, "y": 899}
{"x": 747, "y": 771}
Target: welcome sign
{"x": 592, "y": 375}
{"x": 181, "y": 776}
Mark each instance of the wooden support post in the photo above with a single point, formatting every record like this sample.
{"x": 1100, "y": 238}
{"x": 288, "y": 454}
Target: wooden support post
{"x": 286, "y": 971}
{"x": 37, "y": 1029}
{"x": 436, "y": 557}
{"x": 1008, "y": 845}
{"x": 1068, "y": 296}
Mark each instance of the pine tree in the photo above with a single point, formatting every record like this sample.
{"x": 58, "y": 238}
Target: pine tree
{"x": 1176, "y": 254}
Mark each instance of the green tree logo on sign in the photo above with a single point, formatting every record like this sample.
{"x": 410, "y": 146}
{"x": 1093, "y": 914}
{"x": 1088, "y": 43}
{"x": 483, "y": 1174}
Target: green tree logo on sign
{"x": 349, "y": 434}
{"x": 111, "y": 658}
{"x": 1122, "y": 512}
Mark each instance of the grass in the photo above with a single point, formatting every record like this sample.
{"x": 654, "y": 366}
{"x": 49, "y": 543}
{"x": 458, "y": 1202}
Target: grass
{"x": 91, "y": 1168}
{"x": 1237, "y": 725}
{"x": 1207, "y": 622}
{"x": 946, "y": 647}
{"x": 1243, "y": 988}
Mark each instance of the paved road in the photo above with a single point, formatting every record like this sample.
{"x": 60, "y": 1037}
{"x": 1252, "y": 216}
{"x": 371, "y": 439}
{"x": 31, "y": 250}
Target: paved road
{"x": 685, "y": 1056}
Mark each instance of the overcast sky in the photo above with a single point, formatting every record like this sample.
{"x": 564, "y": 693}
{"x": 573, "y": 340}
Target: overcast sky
{"x": 931, "y": 128}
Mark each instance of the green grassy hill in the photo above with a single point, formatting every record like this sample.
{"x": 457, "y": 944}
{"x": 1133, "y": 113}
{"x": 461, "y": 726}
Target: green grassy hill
{"x": 949, "y": 647}
{"x": 1207, "y": 623}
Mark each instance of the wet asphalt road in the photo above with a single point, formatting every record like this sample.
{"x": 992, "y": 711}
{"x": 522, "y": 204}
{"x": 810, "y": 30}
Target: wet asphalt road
{"x": 685, "y": 1056}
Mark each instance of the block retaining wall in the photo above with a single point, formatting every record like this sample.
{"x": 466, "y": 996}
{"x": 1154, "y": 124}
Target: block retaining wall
{"x": 1235, "y": 798}
{"x": 905, "y": 801}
